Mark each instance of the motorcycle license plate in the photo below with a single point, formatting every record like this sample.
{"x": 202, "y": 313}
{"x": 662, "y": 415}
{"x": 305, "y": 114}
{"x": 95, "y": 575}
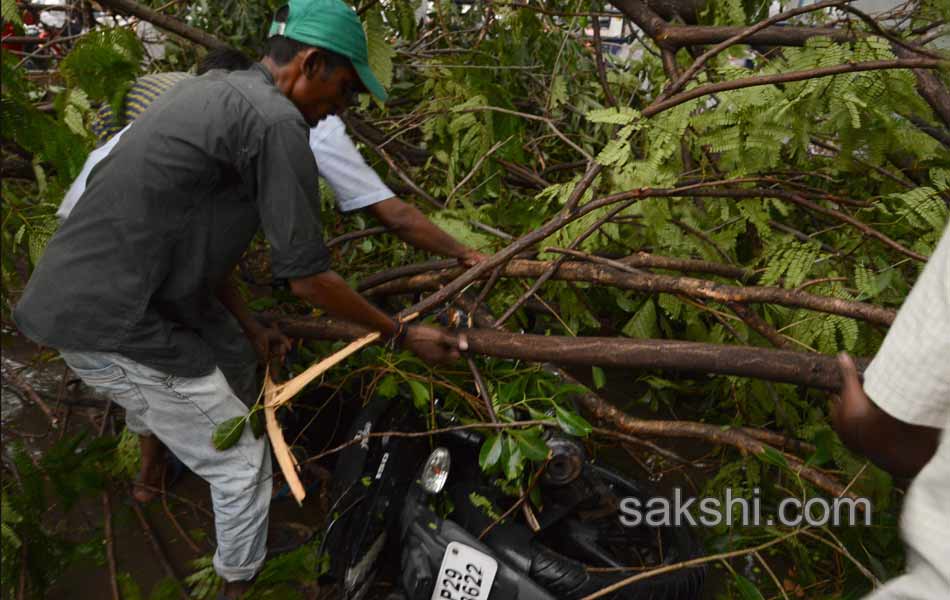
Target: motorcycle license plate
{"x": 465, "y": 574}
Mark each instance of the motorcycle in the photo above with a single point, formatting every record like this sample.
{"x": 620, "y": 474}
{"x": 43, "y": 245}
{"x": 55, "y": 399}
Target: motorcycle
{"x": 416, "y": 509}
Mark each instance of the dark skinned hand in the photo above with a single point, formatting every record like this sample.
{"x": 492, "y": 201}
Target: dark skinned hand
{"x": 432, "y": 344}
{"x": 472, "y": 258}
{"x": 894, "y": 445}
{"x": 269, "y": 342}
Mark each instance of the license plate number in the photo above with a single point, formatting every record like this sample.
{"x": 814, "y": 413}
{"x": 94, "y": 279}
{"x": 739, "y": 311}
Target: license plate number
{"x": 465, "y": 574}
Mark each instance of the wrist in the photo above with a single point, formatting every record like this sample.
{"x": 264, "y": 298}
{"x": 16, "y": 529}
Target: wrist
{"x": 398, "y": 335}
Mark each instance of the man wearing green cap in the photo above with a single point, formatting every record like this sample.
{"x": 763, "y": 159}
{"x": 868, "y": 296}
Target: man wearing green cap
{"x": 126, "y": 289}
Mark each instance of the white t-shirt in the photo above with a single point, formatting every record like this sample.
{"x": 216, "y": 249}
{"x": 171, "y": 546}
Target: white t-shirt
{"x": 355, "y": 185}
{"x": 909, "y": 379}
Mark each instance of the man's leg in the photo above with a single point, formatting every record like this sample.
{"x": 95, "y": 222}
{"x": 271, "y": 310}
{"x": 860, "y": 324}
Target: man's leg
{"x": 154, "y": 460}
{"x": 99, "y": 370}
{"x": 183, "y": 414}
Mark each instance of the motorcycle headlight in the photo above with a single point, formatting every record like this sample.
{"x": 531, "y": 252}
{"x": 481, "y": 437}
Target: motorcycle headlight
{"x": 436, "y": 470}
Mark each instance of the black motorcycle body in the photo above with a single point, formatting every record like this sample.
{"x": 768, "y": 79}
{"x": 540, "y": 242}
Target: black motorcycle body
{"x": 383, "y": 522}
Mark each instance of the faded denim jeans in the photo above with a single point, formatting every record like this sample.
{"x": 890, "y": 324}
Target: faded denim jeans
{"x": 183, "y": 412}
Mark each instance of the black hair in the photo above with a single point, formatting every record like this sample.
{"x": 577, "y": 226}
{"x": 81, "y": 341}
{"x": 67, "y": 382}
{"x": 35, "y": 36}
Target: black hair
{"x": 282, "y": 50}
{"x": 229, "y": 59}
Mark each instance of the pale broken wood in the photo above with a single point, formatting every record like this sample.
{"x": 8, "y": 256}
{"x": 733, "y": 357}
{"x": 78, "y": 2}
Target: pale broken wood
{"x": 285, "y": 458}
{"x": 287, "y": 390}
{"x": 276, "y": 395}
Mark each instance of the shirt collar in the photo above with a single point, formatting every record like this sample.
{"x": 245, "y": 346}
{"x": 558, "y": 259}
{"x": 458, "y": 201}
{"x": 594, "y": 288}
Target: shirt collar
{"x": 260, "y": 68}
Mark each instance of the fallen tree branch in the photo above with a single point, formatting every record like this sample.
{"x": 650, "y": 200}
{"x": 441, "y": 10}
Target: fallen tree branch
{"x": 814, "y": 370}
{"x": 747, "y": 82}
{"x": 165, "y": 22}
{"x": 654, "y": 283}
{"x": 746, "y": 33}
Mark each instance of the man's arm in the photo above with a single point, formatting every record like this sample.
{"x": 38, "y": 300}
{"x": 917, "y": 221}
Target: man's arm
{"x": 331, "y": 292}
{"x": 897, "y": 447}
{"x": 408, "y": 222}
{"x": 356, "y": 186}
{"x": 265, "y": 340}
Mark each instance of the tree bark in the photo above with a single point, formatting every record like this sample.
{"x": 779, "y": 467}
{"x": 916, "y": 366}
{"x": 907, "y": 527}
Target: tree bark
{"x": 655, "y": 283}
{"x": 813, "y": 370}
{"x": 171, "y": 24}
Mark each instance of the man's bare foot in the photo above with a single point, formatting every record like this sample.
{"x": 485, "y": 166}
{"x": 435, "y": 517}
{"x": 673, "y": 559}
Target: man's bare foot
{"x": 149, "y": 480}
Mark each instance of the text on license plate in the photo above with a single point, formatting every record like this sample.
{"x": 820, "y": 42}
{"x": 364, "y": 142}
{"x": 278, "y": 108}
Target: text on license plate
{"x": 465, "y": 574}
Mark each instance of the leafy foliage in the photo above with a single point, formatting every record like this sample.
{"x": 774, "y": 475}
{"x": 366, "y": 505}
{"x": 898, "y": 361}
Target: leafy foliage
{"x": 527, "y": 79}
{"x": 104, "y": 64}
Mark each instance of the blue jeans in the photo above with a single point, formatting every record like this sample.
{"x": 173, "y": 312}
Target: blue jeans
{"x": 183, "y": 413}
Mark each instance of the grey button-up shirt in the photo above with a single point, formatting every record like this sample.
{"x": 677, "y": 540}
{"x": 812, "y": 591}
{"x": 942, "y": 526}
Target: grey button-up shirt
{"x": 167, "y": 215}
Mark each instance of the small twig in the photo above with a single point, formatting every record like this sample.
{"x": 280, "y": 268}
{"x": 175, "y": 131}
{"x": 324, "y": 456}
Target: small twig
{"x": 171, "y": 517}
{"x": 355, "y": 235}
{"x": 475, "y": 167}
{"x": 482, "y": 388}
{"x": 521, "y": 500}
{"x": 643, "y": 443}
{"x": 110, "y": 550}
{"x": 26, "y": 389}
{"x": 771, "y": 573}
{"x": 157, "y": 548}
{"x": 556, "y": 264}
{"x": 105, "y": 417}
{"x": 686, "y": 564}
{"x": 415, "y": 434}
{"x": 601, "y": 68}
{"x": 398, "y": 171}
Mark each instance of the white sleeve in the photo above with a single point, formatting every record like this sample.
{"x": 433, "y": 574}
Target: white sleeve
{"x": 909, "y": 377}
{"x": 353, "y": 182}
{"x": 78, "y": 185}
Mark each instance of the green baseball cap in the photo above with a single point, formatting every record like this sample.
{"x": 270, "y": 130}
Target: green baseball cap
{"x": 332, "y": 25}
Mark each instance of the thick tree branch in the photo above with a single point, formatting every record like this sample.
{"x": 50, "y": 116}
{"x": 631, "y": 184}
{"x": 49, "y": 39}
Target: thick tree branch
{"x": 800, "y": 368}
{"x": 701, "y": 61}
{"x": 930, "y": 88}
{"x": 746, "y": 82}
{"x": 171, "y": 24}
{"x": 654, "y": 283}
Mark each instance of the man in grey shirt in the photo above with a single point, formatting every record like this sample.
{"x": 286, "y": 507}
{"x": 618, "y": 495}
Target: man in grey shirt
{"x": 126, "y": 288}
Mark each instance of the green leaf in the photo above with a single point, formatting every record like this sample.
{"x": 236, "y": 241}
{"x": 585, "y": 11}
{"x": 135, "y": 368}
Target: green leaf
{"x": 387, "y": 387}
{"x": 491, "y": 451}
{"x": 616, "y": 116}
{"x": 643, "y": 324}
{"x": 420, "y": 395}
{"x": 747, "y": 589}
{"x": 558, "y": 91}
{"x": 10, "y": 12}
{"x": 102, "y": 62}
{"x": 228, "y": 433}
{"x": 572, "y": 423}
{"x": 600, "y": 379}
{"x": 129, "y": 589}
{"x": 514, "y": 464}
{"x": 380, "y": 51}
{"x": 773, "y": 457}
{"x": 531, "y": 444}
{"x": 616, "y": 151}
{"x": 256, "y": 421}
